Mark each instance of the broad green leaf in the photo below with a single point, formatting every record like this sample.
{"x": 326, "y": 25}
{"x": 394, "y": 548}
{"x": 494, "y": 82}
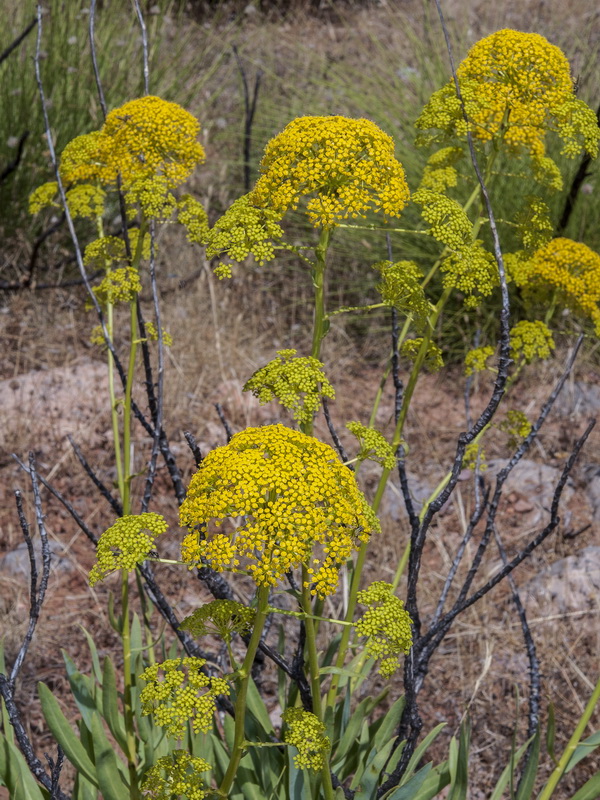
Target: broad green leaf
{"x": 111, "y": 774}
{"x": 551, "y": 733}
{"x": 83, "y": 789}
{"x": 221, "y": 759}
{"x": 110, "y": 705}
{"x": 15, "y": 774}
{"x": 296, "y": 779}
{"x": 410, "y": 790}
{"x": 63, "y": 733}
{"x": 229, "y": 728}
{"x": 82, "y": 688}
{"x": 583, "y": 749}
{"x": 436, "y": 779}
{"x": 504, "y": 778}
{"x": 371, "y": 777}
{"x": 256, "y": 706}
{"x": 420, "y": 751}
{"x": 527, "y": 782}
{"x": 590, "y": 790}
{"x": 459, "y": 768}
{"x": 94, "y": 654}
{"x": 358, "y": 717}
{"x": 363, "y": 749}
{"x": 388, "y": 724}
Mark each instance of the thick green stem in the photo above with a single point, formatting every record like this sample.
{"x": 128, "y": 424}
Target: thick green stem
{"x": 114, "y": 414}
{"x": 557, "y": 774}
{"x": 127, "y": 476}
{"x": 313, "y": 665}
{"x": 244, "y": 675}
{"x": 320, "y": 325}
{"x": 127, "y": 692}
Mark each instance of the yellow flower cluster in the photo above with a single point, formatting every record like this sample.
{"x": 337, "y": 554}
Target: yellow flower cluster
{"x": 344, "y": 166}
{"x": 243, "y": 229}
{"x": 120, "y": 285}
{"x": 178, "y": 692}
{"x": 530, "y": 341}
{"x": 449, "y": 223}
{"x": 149, "y": 143}
{"x": 126, "y": 543}
{"x": 476, "y": 359}
{"x": 570, "y": 268}
{"x": 295, "y": 504}
{"x": 373, "y": 445}
{"x": 534, "y": 224}
{"x": 297, "y": 382}
{"x": 387, "y": 624}
{"x": 176, "y": 775}
{"x": 149, "y": 136}
{"x": 433, "y": 362}
{"x": 401, "y": 288}
{"x": 151, "y": 194}
{"x": 471, "y": 270}
{"x": 193, "y": 217}
{"x": 306, "y": 733}
{"x": 152, "y": 334}
{"x": 439, "y": 173}
{"x": 220, "y": 618}
{"x": 83, "y": 160}
{"x": 107, "y": 250}
{"x": 516, "y": 86}
{"x": 42, "y": 197}
{"x": 516, "y": 425}
{"x": 474, "y": 457}
{"x": 85, "y": 200}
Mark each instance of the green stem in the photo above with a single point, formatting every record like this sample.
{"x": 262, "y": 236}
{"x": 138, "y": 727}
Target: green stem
{"x": 127, "y": 411}
{"x": 114, "y": 414}
{"x": 127, "y": 693}
{"x": 319, "y": 326}
{"x": 313, "y": 665}
{"x": 572, "y": 745}
{"x": 244, "y": 675}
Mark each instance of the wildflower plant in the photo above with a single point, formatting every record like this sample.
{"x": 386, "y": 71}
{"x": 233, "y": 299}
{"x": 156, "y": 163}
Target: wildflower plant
{"x": 276, "y": 511}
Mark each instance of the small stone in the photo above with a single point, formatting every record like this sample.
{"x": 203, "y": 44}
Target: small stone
{"x": 522, "y": 506}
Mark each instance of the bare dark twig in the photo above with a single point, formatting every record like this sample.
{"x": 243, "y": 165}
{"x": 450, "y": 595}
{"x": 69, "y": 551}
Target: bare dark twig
{"x": 249, "y": 111}
{"x": 12, "y": 165}
{"x": 157, "y": 417}
{"x": 78, "y": 520}
{"x": 573, "y": 193}
{"x": 224, "y": 421}
{"x": 144, "y": 37}
{"x": 35, "y": 765}
{"x": 21, "y": 37}
{"x": 334, "y": 435}
{"x": 37, "y": 593}
{"x": 95, "y": 59}
{"x": 104, "y": 491}
{"x": 193, "y": 445}
{"x": 55, "y": 770}
{"x": 534, "y": 664}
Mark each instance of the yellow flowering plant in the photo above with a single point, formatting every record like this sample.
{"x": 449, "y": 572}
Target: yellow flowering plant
{"x": 274, "y": 521}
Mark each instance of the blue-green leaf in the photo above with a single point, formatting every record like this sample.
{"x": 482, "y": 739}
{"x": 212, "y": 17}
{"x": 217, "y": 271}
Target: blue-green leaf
{"x": 583, "y": 749}
{"x": 63, "y": 733}
{"x": 112, "y": 779}
{"x": 590, "y": 790}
